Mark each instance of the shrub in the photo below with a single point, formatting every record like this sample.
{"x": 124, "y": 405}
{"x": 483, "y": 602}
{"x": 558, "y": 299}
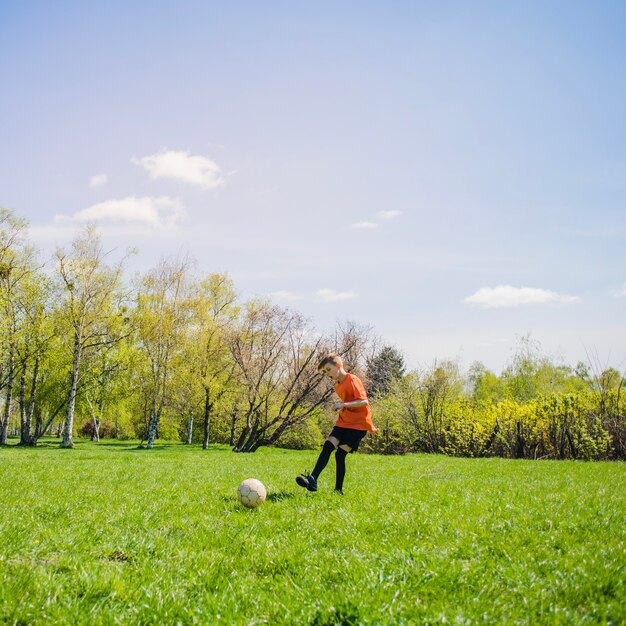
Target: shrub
{"x": 107, "y": 429}
{"x": 304, "y": 436}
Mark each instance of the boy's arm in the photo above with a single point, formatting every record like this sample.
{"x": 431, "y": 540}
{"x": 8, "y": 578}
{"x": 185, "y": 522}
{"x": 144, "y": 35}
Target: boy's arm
{"x": 355, "y": 404}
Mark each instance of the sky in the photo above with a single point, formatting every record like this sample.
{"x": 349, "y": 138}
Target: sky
{"x": 452, "y": 174}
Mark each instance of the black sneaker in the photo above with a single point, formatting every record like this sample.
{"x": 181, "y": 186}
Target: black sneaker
{"x": 307, "y": 481}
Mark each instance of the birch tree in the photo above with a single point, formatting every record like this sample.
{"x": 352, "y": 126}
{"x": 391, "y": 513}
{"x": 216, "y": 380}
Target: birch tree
{"x": 90, "y": 294}
{"x": 32, "y": 347}
{"x": 103, "y": 385}
{"x": 16, "y": 266}
{"x": 162, "y": 312}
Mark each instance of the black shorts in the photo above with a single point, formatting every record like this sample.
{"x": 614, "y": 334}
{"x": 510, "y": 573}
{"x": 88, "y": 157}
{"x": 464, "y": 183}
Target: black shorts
{"x": 348, "y": 436}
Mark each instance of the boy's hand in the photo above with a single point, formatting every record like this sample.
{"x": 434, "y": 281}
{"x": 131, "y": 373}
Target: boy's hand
{"x": 338, "y": 406}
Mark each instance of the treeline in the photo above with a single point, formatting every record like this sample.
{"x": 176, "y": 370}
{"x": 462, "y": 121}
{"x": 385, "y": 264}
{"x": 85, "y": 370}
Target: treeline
{"x": 170, "y": 354}
{"x": 174, "y": 354}
{"x": 535, "y": 409}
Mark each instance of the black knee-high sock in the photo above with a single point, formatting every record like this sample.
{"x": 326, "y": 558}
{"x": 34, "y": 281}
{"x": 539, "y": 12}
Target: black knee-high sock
{"x": 340, "y": 460}
{"x": 322, "y": 460}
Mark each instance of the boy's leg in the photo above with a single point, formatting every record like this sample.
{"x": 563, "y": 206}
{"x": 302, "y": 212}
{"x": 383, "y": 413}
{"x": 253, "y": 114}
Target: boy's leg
{"x": 340, "y": 460}
{"x": 329, "y": 446}
{"x": 310, "y": 481}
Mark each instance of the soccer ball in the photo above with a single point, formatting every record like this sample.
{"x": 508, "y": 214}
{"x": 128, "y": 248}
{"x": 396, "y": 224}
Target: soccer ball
{"x": 251, "y": 493}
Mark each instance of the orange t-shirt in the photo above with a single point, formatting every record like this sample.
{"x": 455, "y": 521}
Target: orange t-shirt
{"x": 360, "y": 418}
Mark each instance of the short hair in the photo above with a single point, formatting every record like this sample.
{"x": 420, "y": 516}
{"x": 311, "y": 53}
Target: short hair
{"x": 330, "y": 359}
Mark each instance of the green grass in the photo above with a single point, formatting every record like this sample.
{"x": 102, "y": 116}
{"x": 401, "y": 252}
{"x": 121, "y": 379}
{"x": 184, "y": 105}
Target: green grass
{"x": 109, "y": 534}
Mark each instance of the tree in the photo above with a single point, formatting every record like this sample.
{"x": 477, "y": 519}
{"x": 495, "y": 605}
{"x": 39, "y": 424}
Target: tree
{"x": 16, "y": 266}
{"x": 484, "y": 386}
{"x": 439, "y": 386}
{"x": 382, "y": 369}
{"x": 33, "y": 343}
{"x": 212, "y": 363}
{"x": 531, "y": 374}
{"x": 161, "y": 317}
{"x": 104, "y": 368}
{"x": 276, "y": 355}
{"x": 356, "y": 344}
{"x": 91, "y": 294}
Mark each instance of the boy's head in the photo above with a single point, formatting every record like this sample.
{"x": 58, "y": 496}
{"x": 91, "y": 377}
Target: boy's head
{"x": 332, "y": 366}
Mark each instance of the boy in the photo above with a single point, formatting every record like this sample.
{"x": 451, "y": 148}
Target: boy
{"x": 355, "y": 420}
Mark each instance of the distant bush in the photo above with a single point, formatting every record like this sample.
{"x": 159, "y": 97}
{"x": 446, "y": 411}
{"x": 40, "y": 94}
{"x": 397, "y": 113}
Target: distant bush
{"x": 107, "y": 429}
{"x": 562, "y": 426}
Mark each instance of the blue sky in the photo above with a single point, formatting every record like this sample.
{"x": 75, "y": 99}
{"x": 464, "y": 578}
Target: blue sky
{"x": 452, "y": 173}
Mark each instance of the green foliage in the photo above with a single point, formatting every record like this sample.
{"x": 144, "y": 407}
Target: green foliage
{"x": 303, "y": 436}
{"x": 587, "y": 426}
{"x": 178, "y": 351}
{"x": 138, "y": 537}
{"x": 485, "y": 386}
{"x": 396, "y": 416}
{"x": 385, "y": 367}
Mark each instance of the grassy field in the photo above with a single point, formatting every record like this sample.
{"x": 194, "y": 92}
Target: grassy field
{"x": 109, "y": 534}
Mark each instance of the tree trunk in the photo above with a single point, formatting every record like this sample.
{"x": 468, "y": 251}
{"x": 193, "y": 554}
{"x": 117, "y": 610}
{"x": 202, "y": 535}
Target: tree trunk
{"x": 207, "y": 418}
{"x": 96, "y": 429}
{"x": 242, "y": 439}
{"x": 30, "y": 410}
{"x": 44, "y": 426}
{"x": 254, "y": 441}
{"x": 156, "y": 409}
{"x": 233, "y": 427}
{"x": 250, "y": 435}
{"x": 24, "y": 429}
{"x": 38, "y": 426}
{"x": 100, "y": 413}
{"x": 245, "y": 432}
{"x": 4, "y": 427}
{"x": 190, "y": 428}
{"x": 95, "y": 435}
{"x": 280, "y": 431}
{"x": 68, "y": 426}
{"x": 153, "y": 425}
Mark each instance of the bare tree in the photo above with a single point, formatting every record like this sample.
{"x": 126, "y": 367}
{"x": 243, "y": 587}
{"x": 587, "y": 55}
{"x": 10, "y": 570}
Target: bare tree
{"x": 276, "y": 354}
{"x": 356, "y": 344}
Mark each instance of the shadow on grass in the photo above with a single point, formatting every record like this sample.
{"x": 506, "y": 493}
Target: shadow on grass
{"x": 279, "y": 496}
{"x": 134, "y": 446}
{"x": 14, "y": 444}
{"x": 117, "y": 445}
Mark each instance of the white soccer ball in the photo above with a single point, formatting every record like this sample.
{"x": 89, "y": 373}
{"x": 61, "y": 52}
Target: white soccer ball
{"x": 251, "y": 493}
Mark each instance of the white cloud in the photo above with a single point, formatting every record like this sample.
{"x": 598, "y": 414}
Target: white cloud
{"x": 162, "y": 212}
{"x": 387, "y": 215}
{"x": 98, "y": 180}
{"x": 507, "y": 296}
{"x": 621, "y": 292}
{"x": 330, "y": 295}
{"x": 285, "y": 295}
{"x": 178, "y": 165}
{"x": 364, "y": 225}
